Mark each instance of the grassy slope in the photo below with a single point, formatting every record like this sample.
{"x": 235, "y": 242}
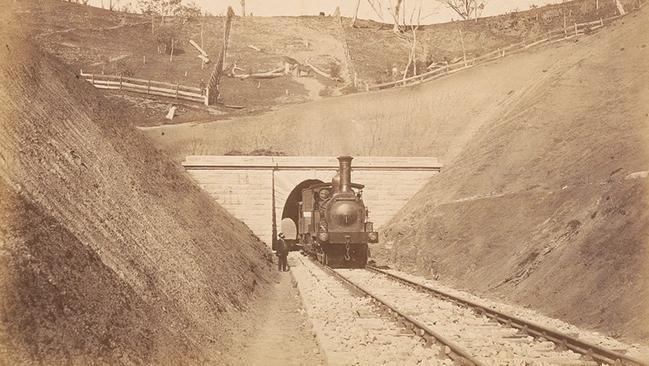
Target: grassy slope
{"x": 91, "y": 37}
{"x": 537, "y": 209}
{"x": 87, "y": 38}
{"x": 436, "y": 119}
{"x": 442, "y": 42}
{"x": 108, "y": 251}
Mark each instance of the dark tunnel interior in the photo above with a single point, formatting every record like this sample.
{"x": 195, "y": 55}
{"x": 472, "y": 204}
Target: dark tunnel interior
{"x": 290, "y": 208}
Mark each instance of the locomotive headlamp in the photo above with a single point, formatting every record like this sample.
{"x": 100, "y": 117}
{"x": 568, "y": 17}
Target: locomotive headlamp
{"x": 323, "y": 236}
{"x": 373, "y": 236}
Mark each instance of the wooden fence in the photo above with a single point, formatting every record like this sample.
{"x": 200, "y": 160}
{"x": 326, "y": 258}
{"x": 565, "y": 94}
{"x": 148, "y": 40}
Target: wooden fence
{"x": 556, "y": 35}
{"x": 149, "y": 87}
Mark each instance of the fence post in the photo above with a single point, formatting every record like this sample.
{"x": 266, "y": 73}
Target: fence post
{"x": 601, "y": 22}
{"x": 93, "y": 79}
{"x": 176, "y": 90}
{"x": 120, "y": 82}
{"x": 148, "y": 87}
{"x": 576, "y": 31}
{"x": 207, "y": 96}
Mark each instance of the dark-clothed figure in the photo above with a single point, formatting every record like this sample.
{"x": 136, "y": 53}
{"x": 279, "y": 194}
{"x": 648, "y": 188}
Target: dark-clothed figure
{"x": 282, "y": 254}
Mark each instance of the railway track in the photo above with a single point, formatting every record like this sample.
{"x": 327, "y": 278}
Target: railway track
{"x": 470, "y": 333}
{"x": 589, "y": 351}
{"x": 351, "y": 329}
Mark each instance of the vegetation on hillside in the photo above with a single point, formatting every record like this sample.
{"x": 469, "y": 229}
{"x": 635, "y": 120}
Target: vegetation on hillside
{"x": 102, "y": 41}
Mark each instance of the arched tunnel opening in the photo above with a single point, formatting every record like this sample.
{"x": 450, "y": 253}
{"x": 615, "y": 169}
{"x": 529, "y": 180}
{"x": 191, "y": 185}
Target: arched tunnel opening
{"x": 290, "y": 212}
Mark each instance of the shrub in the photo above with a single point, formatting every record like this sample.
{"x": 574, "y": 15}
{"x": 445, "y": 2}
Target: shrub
{"x": 123, "y": 69}
{"x": 334, "y": 70}
{"x": 326, "y": 92}
{"x": 165, "y": 35}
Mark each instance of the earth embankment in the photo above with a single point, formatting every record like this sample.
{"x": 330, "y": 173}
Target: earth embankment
{"x": 433, "y": 119}
{"x": 547, "y": 204}
{"x": 108, "y": 252}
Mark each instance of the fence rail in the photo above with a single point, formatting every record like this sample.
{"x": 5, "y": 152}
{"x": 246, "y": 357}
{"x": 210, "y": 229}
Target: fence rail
{"x": 556, "y": 35}
{"x": 151, "y": 87}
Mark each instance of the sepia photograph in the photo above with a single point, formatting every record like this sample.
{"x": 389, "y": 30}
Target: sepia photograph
{"x": 324, "y": 182}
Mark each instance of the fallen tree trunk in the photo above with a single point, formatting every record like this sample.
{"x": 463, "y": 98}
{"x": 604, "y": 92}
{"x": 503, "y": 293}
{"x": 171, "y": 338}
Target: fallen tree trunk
{"x": 266, "y": 75}
{"x": 320, "y": 72}
{"x": 259, "y": 75}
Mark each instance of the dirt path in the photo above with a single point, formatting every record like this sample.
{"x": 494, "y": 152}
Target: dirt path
{"x": 285, "y": 338}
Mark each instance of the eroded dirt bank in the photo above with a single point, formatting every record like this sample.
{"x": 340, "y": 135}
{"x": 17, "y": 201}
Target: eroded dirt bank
{"x": 108, "y": 252}
{"x": 545, "y": 206}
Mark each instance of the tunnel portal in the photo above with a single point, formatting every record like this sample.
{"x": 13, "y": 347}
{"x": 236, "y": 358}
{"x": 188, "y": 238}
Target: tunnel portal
{"x": 250, "y": 187}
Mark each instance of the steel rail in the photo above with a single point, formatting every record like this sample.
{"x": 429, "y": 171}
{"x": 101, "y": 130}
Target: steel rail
{"x": 597, "y": 353}
{"x": 453, "y": 351}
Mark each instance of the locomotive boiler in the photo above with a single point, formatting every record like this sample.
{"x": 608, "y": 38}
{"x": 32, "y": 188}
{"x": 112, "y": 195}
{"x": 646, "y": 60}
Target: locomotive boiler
{"x": 333, "y": 221}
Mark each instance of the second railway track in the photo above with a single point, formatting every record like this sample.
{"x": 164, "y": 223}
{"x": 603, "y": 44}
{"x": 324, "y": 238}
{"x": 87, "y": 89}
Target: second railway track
{"x": 471, "y": 333}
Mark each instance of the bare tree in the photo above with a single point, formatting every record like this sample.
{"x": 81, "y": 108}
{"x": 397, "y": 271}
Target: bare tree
{"x": 160, "y": 7}
{"x": 395, "y": 10}
{"x": 412, "y": 57}
{"x": 410, "y": 40}
{"x": 467, "y": 9}
{"x": 358, "y": 4}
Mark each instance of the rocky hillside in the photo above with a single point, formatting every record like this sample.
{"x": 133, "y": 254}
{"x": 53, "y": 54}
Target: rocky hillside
{"x": 109, "y": 254}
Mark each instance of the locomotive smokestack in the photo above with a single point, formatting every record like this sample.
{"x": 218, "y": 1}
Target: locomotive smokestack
{"x": 345, "y": 174}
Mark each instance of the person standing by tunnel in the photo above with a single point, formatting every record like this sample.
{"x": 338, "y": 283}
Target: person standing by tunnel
{"x": 282, "y": 253}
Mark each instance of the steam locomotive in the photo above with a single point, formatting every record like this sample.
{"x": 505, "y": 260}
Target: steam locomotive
{"x": 333, "y": 221}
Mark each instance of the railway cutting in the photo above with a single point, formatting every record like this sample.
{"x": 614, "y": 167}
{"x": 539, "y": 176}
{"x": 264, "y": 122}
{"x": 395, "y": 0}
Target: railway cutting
{"x": 288, "y": 183}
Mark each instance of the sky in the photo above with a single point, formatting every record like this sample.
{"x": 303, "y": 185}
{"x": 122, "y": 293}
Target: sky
{"x": 433, "y": 11}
